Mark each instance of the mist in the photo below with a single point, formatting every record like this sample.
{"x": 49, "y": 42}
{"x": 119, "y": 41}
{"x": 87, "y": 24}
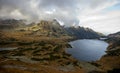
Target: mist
{"x": 95, "y": 14}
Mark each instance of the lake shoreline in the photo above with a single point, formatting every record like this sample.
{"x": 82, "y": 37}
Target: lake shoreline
{"x": 86, "y": 45}
{"x": 47, "y": 54}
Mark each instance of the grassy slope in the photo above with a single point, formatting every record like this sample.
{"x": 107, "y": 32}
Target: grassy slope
{"x": 48, "y": 52}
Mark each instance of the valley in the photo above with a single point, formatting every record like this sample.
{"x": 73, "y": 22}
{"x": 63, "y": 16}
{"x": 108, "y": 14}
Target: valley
{"x": 40, "y": 48}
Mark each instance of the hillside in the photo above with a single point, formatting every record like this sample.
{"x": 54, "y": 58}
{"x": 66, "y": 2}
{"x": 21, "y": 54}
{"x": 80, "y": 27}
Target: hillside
{"x": 111, "y": 61}
{"x": 49, "y": 28}
{"x": 40, "y": 46}
{"x": 82, "y": 33}
{"x": 10, "y": 24}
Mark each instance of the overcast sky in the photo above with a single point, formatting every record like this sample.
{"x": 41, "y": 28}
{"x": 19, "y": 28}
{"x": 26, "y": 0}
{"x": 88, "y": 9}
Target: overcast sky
{"x": 100, "y": 15}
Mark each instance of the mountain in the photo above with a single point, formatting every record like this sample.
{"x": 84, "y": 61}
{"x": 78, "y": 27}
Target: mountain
{"x": 114, "y": 47}
{"x": 11, "y": 24}
{"x": 49, "y": 28}
{"x": 117, "y": 35}
{"x": 53, "y": 28}
{"x": 111, "y": 60}
{"x": 113, "y": 37}
{"x": 82, "y": 33}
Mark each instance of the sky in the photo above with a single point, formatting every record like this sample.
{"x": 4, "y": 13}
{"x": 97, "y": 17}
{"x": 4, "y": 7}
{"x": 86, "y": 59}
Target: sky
{"x": 100, "y": 15}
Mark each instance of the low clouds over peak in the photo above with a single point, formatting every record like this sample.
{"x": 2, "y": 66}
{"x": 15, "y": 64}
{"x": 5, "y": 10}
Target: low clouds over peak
{"x": 89, "y": 13}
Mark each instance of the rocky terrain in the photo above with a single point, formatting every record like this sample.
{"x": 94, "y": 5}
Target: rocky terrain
{"x": 50, "y": 28}
{"x": 36, "y": 48}
{"x": 114, "y": 47}
{"x": 111, "y": 61}
{"x": 40, "y": 48}
{"x": 10, "y": 24}
{"x": 83, "y": 33}
{"x": 23, "y": 52}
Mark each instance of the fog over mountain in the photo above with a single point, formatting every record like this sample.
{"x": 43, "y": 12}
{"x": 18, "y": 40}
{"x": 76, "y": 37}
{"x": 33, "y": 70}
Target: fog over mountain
{"x": 100, "y": 15}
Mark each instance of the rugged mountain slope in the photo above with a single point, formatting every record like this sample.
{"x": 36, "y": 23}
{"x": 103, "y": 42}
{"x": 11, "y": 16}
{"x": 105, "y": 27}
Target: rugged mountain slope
{"x": 46, "y": 28}
{"x": 50, "y": 28}
{"x": 114, "y": 47}
{"x": 111, "y": 61}
{"x": 114, "y": 35}
{"x": 11, "y": 24}
{"x": 53, "y": 27}
{"x": 82, "y": 33}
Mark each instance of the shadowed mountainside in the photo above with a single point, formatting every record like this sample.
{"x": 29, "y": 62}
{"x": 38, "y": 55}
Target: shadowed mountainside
{"x": 83, "y": 33}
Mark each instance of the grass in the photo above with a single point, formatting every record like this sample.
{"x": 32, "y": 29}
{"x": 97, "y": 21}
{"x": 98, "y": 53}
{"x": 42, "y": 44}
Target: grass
{"x": 39, "y": 59}
{"x": 36, "y": 59}
{"x": 25, "y": 43}
{"x": 37, "y": 48}
{"x": 95, "y": 64}
{"x": 18, "y": 54}
{"x": 4, "y": 52}
{"x": 25, "y": 49}
{"x": 53, "y": 57}
{"x": 4, "y": 43}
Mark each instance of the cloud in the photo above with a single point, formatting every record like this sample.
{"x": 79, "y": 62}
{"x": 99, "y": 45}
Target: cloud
{"x": 106, "y": 23}
{"x": 83, "y": 12}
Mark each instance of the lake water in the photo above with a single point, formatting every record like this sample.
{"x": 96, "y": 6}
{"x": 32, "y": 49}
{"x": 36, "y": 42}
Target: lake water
{"x": 87, "y": 49}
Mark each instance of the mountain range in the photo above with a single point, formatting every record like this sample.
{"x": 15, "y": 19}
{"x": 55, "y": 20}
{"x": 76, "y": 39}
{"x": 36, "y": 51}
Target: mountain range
{"x": 49, "y": 28}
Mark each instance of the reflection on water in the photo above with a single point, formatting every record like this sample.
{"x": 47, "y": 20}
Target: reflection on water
{"x": 87, "y": 50}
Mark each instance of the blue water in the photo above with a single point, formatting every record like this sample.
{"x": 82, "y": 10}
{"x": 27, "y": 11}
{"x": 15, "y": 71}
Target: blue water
{"x": 87, "y": 49}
